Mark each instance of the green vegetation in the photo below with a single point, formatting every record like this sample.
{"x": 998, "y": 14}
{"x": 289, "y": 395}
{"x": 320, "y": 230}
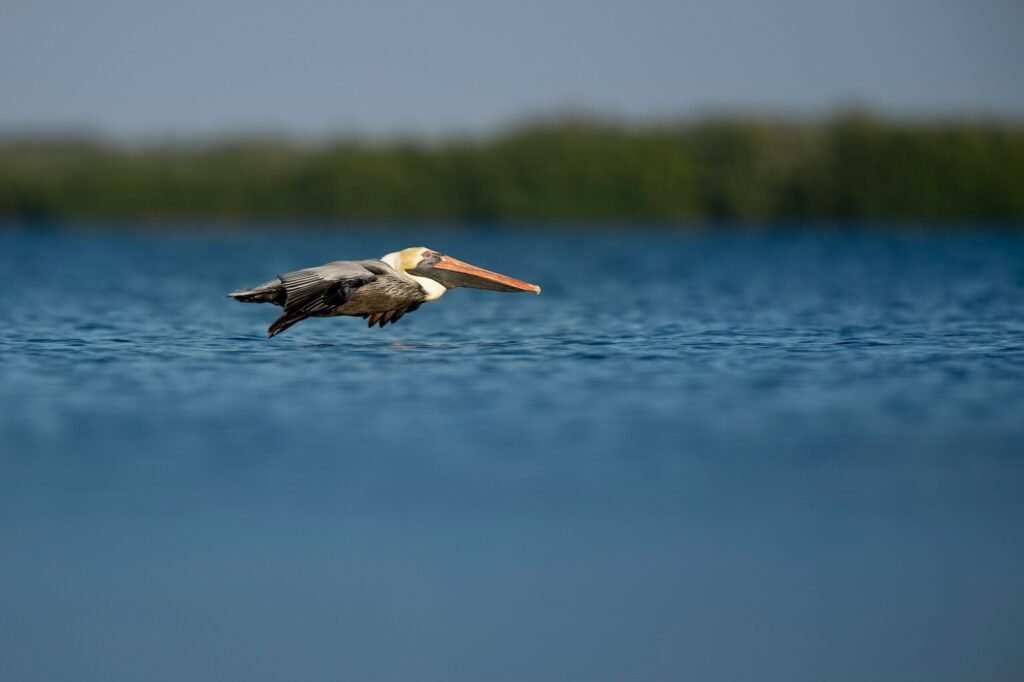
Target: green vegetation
{"x": 853, "y": 167}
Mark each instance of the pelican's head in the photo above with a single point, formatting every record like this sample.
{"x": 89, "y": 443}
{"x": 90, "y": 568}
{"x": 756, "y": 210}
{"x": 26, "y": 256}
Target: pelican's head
{"x": 420, "y": 261}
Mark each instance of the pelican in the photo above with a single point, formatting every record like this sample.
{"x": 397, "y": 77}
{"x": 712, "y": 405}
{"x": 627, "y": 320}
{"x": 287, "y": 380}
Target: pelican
{"x": 381, "y": 290}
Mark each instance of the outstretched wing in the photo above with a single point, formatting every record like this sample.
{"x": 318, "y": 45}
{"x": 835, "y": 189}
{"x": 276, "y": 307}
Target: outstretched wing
{"x": 319, "y": 290}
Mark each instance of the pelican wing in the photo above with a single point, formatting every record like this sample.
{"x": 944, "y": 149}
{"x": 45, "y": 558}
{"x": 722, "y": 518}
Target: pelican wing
{"x": 319, "y": 290}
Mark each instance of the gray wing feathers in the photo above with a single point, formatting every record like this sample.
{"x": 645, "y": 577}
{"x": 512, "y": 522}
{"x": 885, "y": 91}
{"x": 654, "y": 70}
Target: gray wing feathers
{"x": 268, "y": 292}
{"x": 304, "y": 286}
{"x": 370, "y": 288}
{"x": 315, "y": 290}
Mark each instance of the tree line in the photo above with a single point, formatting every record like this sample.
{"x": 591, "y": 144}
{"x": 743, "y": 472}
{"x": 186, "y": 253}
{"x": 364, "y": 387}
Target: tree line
{"x": 851, "y": 167}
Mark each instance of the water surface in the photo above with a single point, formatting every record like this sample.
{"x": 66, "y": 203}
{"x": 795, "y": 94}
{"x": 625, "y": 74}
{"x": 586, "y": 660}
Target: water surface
{"x": 781, "y": 454}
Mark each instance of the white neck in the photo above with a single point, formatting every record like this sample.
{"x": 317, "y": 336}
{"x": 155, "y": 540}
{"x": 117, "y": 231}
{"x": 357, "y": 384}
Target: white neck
{"x": 434, "y": 289}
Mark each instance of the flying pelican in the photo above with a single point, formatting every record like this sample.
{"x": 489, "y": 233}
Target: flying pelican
{"x": 379, "y": 290}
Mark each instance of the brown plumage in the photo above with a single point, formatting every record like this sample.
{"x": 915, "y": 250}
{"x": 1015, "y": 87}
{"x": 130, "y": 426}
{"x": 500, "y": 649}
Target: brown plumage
{"x": 370, "y": 289}
{"x": 380, "y": 291}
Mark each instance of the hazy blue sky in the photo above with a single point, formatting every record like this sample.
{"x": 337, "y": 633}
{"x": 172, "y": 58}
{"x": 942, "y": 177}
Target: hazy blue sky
{"x": 311, "y": 66}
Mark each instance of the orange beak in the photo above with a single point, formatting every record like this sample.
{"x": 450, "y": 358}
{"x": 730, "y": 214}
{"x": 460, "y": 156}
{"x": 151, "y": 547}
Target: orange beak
{"x": 458, "y": 274}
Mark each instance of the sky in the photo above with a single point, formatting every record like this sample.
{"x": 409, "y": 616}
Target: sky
{"x": 146, "y": 67}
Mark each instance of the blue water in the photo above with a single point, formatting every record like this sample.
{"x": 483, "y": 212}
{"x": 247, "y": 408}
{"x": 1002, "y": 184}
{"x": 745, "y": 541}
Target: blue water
{"x": 771, "y": 454}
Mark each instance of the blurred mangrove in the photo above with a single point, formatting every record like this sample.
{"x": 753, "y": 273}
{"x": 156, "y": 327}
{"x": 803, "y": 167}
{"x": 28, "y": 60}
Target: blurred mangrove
{"x": 850, "y": 167}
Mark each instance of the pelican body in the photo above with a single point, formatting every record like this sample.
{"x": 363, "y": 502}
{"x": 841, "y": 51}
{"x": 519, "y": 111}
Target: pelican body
{"x": 380, "y": 291}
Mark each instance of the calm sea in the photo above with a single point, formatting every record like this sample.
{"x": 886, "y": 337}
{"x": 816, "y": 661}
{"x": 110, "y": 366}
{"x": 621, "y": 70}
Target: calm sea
{"x": 777, "y": 454}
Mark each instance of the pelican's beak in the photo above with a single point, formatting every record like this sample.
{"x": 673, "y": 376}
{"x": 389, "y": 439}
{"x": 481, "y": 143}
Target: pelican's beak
{"x": 454, "y": 273}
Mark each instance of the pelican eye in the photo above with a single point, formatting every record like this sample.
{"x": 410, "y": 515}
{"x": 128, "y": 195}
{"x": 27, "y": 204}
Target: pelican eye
{"x": 430, "y": 255}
